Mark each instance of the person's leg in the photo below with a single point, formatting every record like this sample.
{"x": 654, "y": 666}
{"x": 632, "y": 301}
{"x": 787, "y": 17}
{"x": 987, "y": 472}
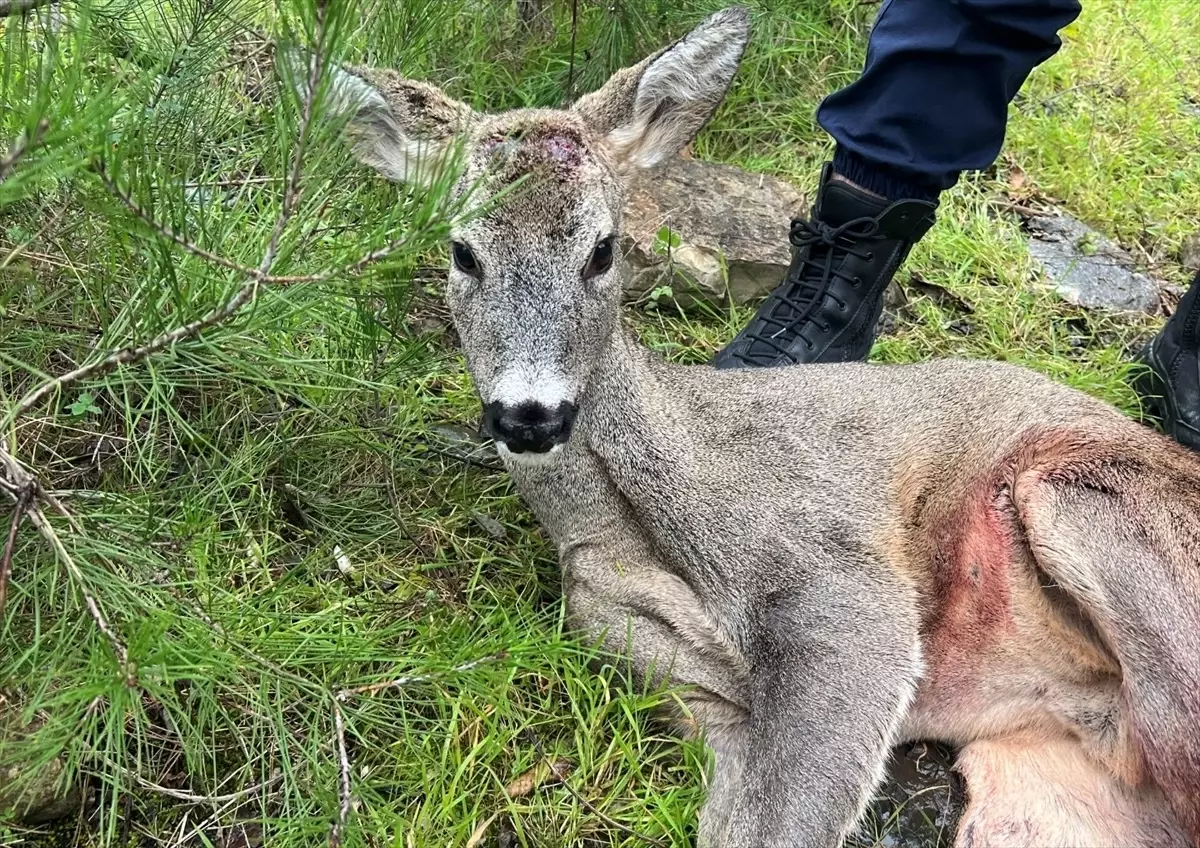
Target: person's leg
{"x": 1171, "y": 388}
{"x": 932, "y": 102}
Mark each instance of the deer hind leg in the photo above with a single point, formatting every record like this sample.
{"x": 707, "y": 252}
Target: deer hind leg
{"x": 1035, "y": 793}
{"x": 1117, "y": 526}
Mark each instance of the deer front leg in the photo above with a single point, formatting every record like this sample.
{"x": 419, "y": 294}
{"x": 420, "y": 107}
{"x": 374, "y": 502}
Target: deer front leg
{"x": 832, "y": 675}
{"x": 728, "y": 746}
{"x": 656, "y": 620}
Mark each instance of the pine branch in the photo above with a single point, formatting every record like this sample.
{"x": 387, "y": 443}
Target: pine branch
{"x": 256, "y": 277}
{"x": 20, "y": 479}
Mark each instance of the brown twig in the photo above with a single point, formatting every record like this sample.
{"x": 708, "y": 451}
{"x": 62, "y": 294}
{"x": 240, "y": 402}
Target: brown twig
{"x": 401, "y": 682}
{"x": 39, "y": 321}
{"x": 394, "y": 501}
{"x": 6, "y": 561}
{"x": 266, "y": 45}
{"x": 1154, "y": 49}
{"x": 25, "y": 143}
{"x": 344, "y": 798}
{"x": 1071, "y": 90}
{"x": 609, "y": 820}
{"x": 234, "y": 182}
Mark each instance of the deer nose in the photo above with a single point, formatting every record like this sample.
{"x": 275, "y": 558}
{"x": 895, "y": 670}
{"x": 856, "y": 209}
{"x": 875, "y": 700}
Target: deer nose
{"x": 529, "y": 426}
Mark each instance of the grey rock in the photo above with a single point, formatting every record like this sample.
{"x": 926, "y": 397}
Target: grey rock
{"x": 1189, "y": 253}
{"x": 36, "y": 799}
{"x": 244, "y": 835}
{"x": 489, "y": 525}
{"x": 466, "y": 444}
{"x": 708, "y": 231}
{"x": 1087, "y": 269}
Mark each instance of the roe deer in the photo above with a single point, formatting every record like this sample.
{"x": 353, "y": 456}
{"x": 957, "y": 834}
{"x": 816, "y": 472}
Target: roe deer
{"x": 832, "y": 558}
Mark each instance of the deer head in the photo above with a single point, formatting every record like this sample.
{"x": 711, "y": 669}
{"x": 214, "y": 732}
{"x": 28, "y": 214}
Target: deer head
{"x": 533, "y": 288}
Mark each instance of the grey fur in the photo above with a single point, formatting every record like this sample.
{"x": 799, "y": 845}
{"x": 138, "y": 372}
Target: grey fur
{"x": 830, "y": 558}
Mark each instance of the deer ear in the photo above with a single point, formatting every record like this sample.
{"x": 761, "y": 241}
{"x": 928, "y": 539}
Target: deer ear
{"x": 650, "y": 111}
{"x": 400, "y": 127}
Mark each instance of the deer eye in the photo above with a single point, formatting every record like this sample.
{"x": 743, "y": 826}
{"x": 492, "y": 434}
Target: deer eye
{"x": 464, "y": 260}
{"x": 602, "y": 259}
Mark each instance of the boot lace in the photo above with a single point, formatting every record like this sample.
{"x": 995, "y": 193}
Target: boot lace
{"x": 821, "y": 250}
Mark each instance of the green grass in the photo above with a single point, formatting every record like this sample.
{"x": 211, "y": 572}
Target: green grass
{"x": 214, "y": 482}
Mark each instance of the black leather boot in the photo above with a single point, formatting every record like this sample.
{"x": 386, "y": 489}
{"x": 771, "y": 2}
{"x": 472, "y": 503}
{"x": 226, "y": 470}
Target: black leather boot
{"x": 1171, "y": 388}
{"x": 827, "y": 307}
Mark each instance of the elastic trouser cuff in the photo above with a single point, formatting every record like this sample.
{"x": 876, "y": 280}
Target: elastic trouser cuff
{"x": 879, "y": 179}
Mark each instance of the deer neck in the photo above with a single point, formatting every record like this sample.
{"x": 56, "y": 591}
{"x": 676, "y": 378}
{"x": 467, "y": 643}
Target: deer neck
{"x": 631, "y": 468}
{"x": 573, "y": 493}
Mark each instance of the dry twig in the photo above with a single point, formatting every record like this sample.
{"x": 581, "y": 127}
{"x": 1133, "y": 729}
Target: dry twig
{"x": 401, "y": 682}
{"x": 25, "y": 143}
{"x": 394, "y": 501}
{"x": 23, "y": 480}
{"x": 20, "y": 7}
{"x": 345, "y": 799}
{"x": 194, "y": 798}
{"x": 1022, "y": 209}
{"x": 339, "y": 726}
{"x": 6, "y": 560}
{"x": 574, "y": 33}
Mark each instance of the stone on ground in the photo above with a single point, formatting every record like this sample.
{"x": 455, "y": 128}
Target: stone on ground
{"x": 1189, "y": 253}
{"x": 1087, "y": 269}
{"x": 708, "y": 231}
{"x": 38, "y": 800}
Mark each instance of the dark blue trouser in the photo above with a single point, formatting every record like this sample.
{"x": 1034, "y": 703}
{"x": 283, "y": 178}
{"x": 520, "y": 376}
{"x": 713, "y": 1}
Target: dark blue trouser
{"x": 933, "y": 99}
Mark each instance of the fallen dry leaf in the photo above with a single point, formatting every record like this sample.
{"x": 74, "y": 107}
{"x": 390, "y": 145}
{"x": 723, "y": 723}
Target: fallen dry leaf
{"x": 1016, "y": 180}
{"x": 536, "y": 776}
{"x": 478, "y": 833}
